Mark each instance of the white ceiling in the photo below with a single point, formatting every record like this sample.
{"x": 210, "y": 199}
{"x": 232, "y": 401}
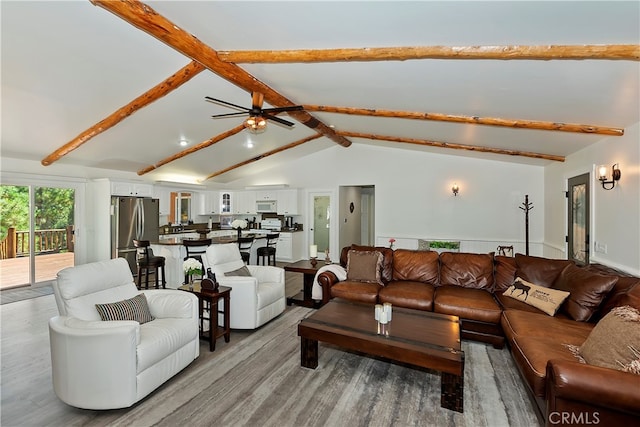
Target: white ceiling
{"x": 66, "y": 65}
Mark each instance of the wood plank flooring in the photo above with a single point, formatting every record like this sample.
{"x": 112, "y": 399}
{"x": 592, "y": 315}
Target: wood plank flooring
{"x": 27, "y": 397}
{"x": 15, "y": 271}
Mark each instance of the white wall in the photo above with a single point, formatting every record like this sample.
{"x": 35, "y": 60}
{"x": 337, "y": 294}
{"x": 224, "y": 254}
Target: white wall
{"x": 615, "y": 214}
{"x": 413, "y": 192}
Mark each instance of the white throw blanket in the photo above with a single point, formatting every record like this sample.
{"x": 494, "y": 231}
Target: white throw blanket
{"x": 337, "y": 269}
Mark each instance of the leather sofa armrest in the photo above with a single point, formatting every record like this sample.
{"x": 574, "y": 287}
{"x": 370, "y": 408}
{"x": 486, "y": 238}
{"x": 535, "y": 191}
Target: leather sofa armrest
{"x": 570, "y": 384}
{"x": 327, "y": 279}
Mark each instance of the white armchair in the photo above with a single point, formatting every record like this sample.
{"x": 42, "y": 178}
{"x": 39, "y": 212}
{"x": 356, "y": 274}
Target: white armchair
{"x": 255, "y": 299}
{"x": 113, "y": 364}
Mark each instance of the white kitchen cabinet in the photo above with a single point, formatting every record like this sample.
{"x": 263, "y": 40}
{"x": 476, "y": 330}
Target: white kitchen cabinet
{"x": 164, "y": 199}
{"x": 244, "y": 203}
{"x": 119, "y": 188}
{"x": 226, "y": 202}
{"x": 263, "y": 195}
{"x": 289, "y": 247}
{"x": 208, "y": 203}
{"x": 288, "y": 202}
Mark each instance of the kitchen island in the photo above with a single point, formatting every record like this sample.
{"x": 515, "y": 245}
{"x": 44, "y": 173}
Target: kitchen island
{"x": 171, "y": 247}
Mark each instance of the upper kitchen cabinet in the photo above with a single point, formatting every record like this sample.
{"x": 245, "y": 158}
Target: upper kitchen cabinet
{"x": 208, "y": 203}
{"x": 164, "y": 199}
{"x": 119, "y": 188}
{"x": 226, "y": 202}
{"x": 244, "y": 203}
{"x": 288, "y": 202}
{"x": 266, "y": 195}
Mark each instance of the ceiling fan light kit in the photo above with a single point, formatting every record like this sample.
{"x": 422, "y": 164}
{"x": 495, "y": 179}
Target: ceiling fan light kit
{"x": 255, "y": 124}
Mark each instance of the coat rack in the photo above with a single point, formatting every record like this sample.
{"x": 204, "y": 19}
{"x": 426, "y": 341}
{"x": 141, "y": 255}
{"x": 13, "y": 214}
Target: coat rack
{"x": 526, "y": 207}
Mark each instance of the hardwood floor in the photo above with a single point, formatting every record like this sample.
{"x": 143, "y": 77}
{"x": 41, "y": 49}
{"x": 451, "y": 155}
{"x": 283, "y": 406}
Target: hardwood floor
{"x": 27, "y": 397}
{"x": 15, "y": 271}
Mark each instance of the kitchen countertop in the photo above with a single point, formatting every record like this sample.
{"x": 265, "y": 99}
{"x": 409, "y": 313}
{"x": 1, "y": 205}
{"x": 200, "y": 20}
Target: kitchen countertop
{"x": 177, "y": 241}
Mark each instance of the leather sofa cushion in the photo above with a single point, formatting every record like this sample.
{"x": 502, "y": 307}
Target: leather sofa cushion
{"x": 356, "y": 291}
{"x": 418, "y": 266}
{"x": 466, "y": 270}
{"x": 467, "y": 303}
{"x": 528, "y": 324}
{"x": 409, "y": 294}
{"x": 505, "y": 272}
{"x": 626, "y": 291}
{"x": 541, "y": 271}
{"x": 532, "y": 354}
{"x": 387, "y": 262}
{"x": 587, "y": 291}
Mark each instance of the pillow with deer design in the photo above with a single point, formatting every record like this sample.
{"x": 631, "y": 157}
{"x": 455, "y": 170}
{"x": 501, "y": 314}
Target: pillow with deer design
{"x": 545, "y": 299}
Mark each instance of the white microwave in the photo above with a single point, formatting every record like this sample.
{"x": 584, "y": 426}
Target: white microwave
{"x": 266, "y": 206}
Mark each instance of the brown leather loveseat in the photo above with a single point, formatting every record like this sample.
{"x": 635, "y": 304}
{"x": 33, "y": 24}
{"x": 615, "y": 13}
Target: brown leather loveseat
{"x": 471, "y": 286}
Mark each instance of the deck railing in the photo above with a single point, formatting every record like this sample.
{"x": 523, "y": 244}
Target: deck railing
{"x": 16, "y": 244}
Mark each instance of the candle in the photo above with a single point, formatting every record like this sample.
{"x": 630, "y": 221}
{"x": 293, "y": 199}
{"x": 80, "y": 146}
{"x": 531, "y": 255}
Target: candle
{"x": 387, "y": 310}
{"x": 383, "y": 317}
{"x": 378, "y": 311}
{"x": 313, "y": 251}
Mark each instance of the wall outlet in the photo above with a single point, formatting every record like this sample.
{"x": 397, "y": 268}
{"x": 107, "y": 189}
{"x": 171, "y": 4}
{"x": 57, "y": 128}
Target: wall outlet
{"x": 600, "y": 247}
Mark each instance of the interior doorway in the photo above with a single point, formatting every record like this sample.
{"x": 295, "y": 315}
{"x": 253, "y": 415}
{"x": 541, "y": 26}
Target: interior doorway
{"x": 578, "y": 219}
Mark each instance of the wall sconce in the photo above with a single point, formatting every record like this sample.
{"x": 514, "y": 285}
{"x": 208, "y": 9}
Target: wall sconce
{"x": 455, "y": 189}
{"x": 615, "y": 176}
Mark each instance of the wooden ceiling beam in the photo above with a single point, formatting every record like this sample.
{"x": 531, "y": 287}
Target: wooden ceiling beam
{"x": 148, "y": 20}
{"x": 453, "y": 146}
{"x": 622, "y": 52}
{"x": 190, "y": 150}
{"x": 488, "y": 121}
{"x": 262, "y": 156}
{"x": 179, "y": 78}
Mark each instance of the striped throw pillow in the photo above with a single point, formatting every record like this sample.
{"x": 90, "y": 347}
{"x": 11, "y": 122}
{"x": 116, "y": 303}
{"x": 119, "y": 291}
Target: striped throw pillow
{"x": 135, "y": 308}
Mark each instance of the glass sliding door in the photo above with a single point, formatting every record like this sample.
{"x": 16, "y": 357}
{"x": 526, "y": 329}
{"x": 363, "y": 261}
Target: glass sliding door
{"x": 37, "y": 229}
{"x": 14, "y": 236}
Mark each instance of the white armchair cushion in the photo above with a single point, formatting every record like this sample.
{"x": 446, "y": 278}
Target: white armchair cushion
{"x": 160, "y": 338}
{"x": 169, "y": 303}
{"x": 78, "y": 289}
{"x": 223, "y": 258}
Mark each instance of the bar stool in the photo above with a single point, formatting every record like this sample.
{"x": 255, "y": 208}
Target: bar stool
{"x": 195, "y": 249}
{"x": 244, "y": 244}
{"x": 269, "y": 250}
{"x": 147, "y": 261}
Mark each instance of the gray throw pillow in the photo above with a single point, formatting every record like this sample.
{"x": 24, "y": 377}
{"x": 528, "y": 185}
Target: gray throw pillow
{"x": 135, "y": 308}
{"x": 242, "y": 271}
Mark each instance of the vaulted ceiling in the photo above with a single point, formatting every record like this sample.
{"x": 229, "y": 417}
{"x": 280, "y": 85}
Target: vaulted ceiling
{"x": 117, "y": 85}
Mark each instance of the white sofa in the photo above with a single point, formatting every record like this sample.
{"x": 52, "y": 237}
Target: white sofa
{"x": 254, "y": 300}
{"x": 113, "y": 364}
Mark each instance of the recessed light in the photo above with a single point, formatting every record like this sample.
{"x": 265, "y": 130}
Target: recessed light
{"x": 183, "y": 142}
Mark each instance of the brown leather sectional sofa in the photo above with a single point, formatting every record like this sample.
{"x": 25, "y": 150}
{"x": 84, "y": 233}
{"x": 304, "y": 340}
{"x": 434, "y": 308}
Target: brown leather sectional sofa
{"x": 471, "y": 286}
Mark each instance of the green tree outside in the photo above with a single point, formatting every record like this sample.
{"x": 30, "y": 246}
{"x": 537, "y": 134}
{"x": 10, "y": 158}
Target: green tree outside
{"x": 54, "y": 208}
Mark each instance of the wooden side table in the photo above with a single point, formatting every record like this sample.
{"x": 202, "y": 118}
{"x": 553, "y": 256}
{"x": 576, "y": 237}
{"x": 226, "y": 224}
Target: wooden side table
{"x": 213, "y": 298}
{"x": 309, "y": 271}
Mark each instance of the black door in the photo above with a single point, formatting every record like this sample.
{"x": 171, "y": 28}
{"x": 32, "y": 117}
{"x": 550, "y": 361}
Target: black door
{"x": 578, "y": 221}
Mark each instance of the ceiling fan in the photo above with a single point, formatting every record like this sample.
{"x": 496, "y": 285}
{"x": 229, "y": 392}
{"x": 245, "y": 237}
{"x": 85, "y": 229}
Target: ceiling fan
{"x": 257, "y": 120}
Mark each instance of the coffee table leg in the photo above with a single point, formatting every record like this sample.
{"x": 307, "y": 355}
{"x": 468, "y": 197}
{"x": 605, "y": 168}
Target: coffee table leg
{"x": 213, "y": 323}
{"x": 452, "y": 391}
{"x": 227, "y": 318}
{"x": 308, "y": 353}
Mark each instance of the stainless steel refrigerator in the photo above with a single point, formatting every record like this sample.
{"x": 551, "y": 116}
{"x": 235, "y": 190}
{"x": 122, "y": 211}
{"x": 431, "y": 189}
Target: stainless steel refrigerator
{"x": 132, "y": 218}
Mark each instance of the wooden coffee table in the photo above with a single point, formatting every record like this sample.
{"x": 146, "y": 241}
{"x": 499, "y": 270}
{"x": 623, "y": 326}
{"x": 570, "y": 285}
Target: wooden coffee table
{"x": 419, "y": 338}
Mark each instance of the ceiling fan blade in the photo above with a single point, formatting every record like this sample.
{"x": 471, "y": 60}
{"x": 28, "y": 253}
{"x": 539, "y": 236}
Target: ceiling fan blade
{"x": 282, "y": 109}
{"x": 238, "y": 114}
{"x": 219, "y": 101}
{"x": 278, "y": 120}
{"x": 257, "y": 99}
